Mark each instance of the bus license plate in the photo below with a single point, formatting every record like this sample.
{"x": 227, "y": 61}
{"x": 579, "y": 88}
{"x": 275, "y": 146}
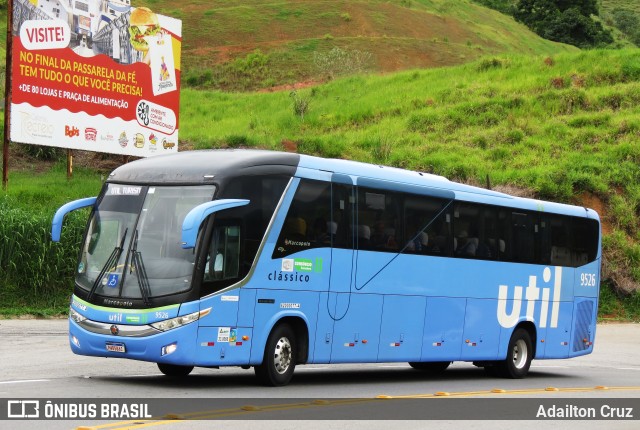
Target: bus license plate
{"x": 116, "y": 347}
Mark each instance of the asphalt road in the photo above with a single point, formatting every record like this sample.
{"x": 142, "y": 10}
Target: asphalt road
{"x": 37, "y": 363}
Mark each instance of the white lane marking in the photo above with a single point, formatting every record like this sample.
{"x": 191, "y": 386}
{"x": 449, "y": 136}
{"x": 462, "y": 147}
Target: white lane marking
{"x": 25, "y": 381}
{"x": 627, "y": 368}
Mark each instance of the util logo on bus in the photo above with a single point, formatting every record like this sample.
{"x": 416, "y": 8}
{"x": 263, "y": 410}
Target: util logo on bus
{"x": 532, "y": 296}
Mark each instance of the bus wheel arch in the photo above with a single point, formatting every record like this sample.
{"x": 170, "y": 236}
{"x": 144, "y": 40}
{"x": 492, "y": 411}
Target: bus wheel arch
{"x": 286, "y": 346}
{"x": 520, "y": 353}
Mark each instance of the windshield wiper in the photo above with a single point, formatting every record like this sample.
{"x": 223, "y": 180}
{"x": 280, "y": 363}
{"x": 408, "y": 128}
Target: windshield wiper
{"x": 113, "y": 259}
{"x": 141, "y": 272}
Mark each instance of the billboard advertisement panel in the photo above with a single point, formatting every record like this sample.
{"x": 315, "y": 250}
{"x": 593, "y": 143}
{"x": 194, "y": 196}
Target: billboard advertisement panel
{"x": 95, "y": 75}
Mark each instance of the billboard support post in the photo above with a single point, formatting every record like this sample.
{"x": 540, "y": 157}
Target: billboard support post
{"x": 69, "y": 163}
{"x": 7, "y": 98}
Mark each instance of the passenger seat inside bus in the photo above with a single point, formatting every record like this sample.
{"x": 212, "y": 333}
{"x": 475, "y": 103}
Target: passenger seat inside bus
{"x": 560, "y": 256}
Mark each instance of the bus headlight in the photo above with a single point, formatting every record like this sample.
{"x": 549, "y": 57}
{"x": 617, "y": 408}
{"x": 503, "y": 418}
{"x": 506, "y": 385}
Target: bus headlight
{"x": 169, "y": 349}
{"x": 179, "y": 321}
{"x": 75, "y": 316}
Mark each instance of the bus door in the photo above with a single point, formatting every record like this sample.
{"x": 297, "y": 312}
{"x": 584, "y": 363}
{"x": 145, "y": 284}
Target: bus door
{"x": 335, "y": 303}
{"x": 357, "y": 316}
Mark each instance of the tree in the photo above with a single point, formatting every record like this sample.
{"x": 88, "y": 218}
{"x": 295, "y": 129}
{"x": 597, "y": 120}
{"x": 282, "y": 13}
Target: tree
{"x": 628, "y": 23}
{"x": 585, "y": 7}
{"x": 566, "y": 21}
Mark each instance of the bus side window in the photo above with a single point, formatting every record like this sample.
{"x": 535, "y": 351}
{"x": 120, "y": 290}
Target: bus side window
{"x": 426, "y": 230}
{"x": 585, "y": 241}
{"x": 503, "y": 243}
{"x": 475, "y": 231}
{"x": 340, "y": 227}
{"x": 223, "y": 259}
{"x": 524, "y": 239}
{"x": 560, "y": 241}
{"x": 308, "y": 221}
{"x": 378, "y": 220}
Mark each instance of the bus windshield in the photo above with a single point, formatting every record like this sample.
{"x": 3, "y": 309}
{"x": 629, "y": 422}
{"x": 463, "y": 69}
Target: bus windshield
{"x": 133, "y": 247}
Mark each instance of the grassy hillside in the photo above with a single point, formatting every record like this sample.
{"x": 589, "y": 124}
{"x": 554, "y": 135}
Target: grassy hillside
{"x": 289, "y": 36}
{"x": 564, "y": 128}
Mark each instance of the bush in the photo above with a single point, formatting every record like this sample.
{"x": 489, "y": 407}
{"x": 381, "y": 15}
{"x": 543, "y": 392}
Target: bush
{"x": 45, "y": 153}
{"x": 29, "y": 260}
{"x": 338, "y": 62}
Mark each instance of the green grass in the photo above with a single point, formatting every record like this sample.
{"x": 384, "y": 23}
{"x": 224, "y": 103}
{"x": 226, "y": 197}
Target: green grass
{"x": 610, "y": 5}
{"x": 505, "y": 109}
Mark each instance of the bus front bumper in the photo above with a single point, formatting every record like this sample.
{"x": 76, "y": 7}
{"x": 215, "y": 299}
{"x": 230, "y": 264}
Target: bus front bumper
{"x": 176, "y": 346}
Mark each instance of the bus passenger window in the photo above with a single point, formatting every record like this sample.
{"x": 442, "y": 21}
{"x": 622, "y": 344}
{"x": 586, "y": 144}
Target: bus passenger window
{"x": 308, "y": 222}
{"x": 523, "y": 236}
{"x": 475, "y": 230}
{"x": 585, "y": 241}
{"x": 340, "y": 227}
{"x": 378, "y": 220}
{"x": 559, "y": 238}
{"x": 426, "y": 229}
{"x": 503, "y": 242}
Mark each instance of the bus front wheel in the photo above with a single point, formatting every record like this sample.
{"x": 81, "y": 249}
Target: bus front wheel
{"x": 279, "y": 359}
{"x": 174, "y": 370}
{"x": 519, "y": 355}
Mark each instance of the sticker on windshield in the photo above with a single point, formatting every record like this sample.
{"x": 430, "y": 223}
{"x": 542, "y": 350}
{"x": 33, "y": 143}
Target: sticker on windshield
{"x": 81, "y": 267}
{"x": 112, "y": 280}
{"x": 233, "y": 335}
{"x": 122, "y": 190}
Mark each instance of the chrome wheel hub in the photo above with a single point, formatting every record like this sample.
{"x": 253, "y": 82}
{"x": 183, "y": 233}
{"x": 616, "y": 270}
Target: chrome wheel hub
{"x": 282, "y": 355}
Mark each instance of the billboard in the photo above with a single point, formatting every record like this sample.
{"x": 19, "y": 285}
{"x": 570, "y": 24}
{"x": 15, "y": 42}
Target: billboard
{"x": 95, "y": 75}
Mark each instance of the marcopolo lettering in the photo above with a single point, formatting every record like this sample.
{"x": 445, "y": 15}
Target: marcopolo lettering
{"x": 531, "y": 296}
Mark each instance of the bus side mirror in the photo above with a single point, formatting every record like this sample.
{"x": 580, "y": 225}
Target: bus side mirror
{"x": 58, "y": 218}
{"x": 194, "y": 218}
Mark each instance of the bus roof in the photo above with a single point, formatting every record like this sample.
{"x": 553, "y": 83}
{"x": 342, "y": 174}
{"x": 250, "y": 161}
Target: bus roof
{"x": 195, "y": 167}
{"x": 203, "y": 166}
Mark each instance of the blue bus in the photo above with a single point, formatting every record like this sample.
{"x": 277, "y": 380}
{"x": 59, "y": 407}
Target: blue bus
{"x": 271, "y": 260}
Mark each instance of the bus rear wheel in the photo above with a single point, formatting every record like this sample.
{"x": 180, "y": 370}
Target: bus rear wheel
{"x": 433, "y": 367}
{"x": 519, "y": 356}
{"x": 174, "y": 370}
{"x": 279, "y": 359}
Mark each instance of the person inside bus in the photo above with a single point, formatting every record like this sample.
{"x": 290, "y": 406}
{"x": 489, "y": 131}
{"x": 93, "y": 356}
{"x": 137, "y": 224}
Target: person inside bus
{"x": 295, "y": 228}
{"x": 466, "y": 246}
{"x": 383, "y": 236}
{"x": 418, "y": 241}
{"x": 364, "y": 236}
{"x": 322, "y": 233}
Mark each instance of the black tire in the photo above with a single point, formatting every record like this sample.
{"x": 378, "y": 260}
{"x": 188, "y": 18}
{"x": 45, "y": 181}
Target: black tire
{"x": 279, "y": 360}
{"x": 519, "y": 355}
{"x": 433, "y": 367}
{"x": 175, "y": 370}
